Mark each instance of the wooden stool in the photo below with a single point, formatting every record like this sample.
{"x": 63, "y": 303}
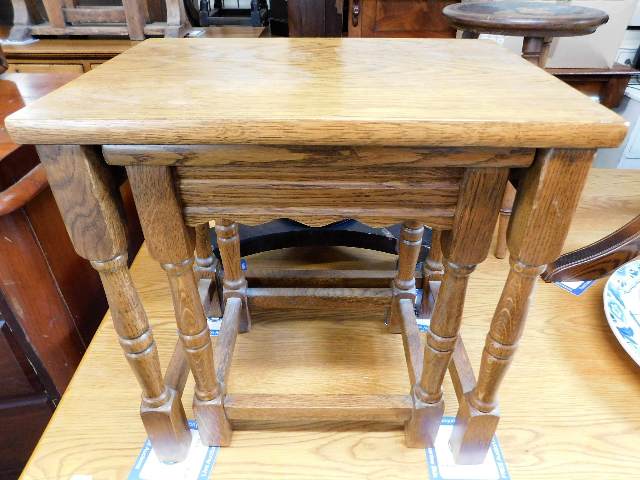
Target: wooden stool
{"x": 357, "y": 134}
{"x": 538, "y": 23}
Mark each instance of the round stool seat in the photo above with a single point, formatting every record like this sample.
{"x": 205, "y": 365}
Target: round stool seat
{"x": 528, "y": 19}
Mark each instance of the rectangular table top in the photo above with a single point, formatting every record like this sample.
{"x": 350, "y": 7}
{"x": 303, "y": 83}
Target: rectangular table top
{"x": 332, "y": 91}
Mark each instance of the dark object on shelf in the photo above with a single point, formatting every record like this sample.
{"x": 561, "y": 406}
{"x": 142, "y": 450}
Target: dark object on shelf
{"x": 278, "y": 18}
{"x": 317, "y": 18}
{"x": 284, "y": 233}
{"x": 599, "y": 259}
{"x": 218, "y": 14}
{"x": 51, "y": 300}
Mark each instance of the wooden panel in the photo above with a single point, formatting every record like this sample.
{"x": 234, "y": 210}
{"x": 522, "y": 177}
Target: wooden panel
{"x": 430, "y": 198}
{"x": 23, "y": 421}
{"x": 318, "y": 297}
{"x": 379, "y": 408}
{"x": 45, "y": 68}
{"x": 437, "y": 180}
{"x": 258, "y": 160}
{"x": 94, "y": 15}
{"x": 14, "y": 366}
{"x": 330, "y": 91}
{"x": 405, "y": 18}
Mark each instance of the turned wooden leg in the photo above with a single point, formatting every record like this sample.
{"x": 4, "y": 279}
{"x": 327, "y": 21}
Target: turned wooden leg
{"x": 21, "y": 29}
{"x": 545, "y": 203}
{"x": 176, "y": 19}
{"x": 503, "y": 220}
{"x": 205, "y": 269}
{"x": 432, "y": 267}
{"x": 404, "y": 284}
{"x": 172, "y": 244}
{"x": 466, "y": 245}
{"x": 88, "y": 200}
{"x": 234, "y": 283}
{"x": 536, "y": 49}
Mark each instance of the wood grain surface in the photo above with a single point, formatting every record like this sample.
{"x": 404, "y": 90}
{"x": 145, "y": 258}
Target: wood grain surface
{"x": 568, "y": 409}
{"x": 322, "y": 91}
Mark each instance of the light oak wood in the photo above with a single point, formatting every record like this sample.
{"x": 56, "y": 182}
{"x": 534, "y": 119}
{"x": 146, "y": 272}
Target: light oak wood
{"x": 253, "y": 161}
{"x": 173, "y": 245}
{"x": 84, "y": 191}
{"x": 404, "y": 282}
{"x": 590, "y": 433}
{"x": 503, "y": 220}
{"x": 353, "y": 408}
{"x": 330, "y": 91}
{"x": 210, "y": 194}
{"x": 234, "y": 283}
{"x": 432, "y": 268}
{"x": 463, "y": 202}
{"x": 542, "y": 212}
{"x": 413, "y": 348}
{"x": 319, "y": 297}
{"x": 466, "y": 245}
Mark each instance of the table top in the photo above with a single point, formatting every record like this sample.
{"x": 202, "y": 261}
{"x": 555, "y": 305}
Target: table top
{"x": 19, "y": 89}
{"x": 566, "y": 409}
{"x": 441, "y": 92}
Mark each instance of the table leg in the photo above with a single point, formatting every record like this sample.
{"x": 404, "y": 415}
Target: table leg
{"x": 545, "y": 202}
{"x": 172, "y": 244}
{"x": 432, "y": 266}
{"x": 234, "y": 282}
{"x": 466, "y": 245}
{"x": 404, "y": 284}
{"x": 503, "y": 220}
{"x": 205, "y": 268}
{"x": 536, "y": 49}
{"x": 88, "y": 200}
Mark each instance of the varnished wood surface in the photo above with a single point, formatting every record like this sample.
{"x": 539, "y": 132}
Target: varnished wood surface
{"x": 329, "y": 91}
{"x": 531, "y": 19}
{"x": 566, "y": 406}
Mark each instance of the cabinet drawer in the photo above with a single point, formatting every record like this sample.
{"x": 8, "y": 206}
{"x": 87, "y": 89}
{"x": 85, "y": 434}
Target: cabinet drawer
{"x": 45, "y": 68}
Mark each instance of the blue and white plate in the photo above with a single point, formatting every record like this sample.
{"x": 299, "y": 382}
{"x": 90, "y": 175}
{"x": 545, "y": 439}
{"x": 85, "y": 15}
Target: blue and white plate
{"x": 622, "y": 307}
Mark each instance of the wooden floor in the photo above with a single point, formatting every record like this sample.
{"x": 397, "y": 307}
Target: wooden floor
{"x": 570, "y": 404}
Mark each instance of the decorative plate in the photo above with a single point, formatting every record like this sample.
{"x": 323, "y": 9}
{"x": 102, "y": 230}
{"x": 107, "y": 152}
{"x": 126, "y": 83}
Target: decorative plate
{"x": 622, "y": 307}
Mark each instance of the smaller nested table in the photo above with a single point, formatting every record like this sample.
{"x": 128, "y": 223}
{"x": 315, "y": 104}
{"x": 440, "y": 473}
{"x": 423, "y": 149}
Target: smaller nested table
{"x": 381, "y": 130}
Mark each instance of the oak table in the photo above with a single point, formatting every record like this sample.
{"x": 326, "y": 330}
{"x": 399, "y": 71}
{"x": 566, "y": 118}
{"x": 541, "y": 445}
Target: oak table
{"x": 382, "y": 131}
{"x": 578, "y": 424}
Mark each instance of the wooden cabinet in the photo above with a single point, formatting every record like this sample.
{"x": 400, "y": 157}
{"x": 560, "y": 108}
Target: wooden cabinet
{"x": 399, "y": 18}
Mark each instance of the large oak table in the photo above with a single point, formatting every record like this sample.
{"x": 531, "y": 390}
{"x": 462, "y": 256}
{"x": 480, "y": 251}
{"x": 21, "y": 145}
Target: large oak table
{"x": 579, "y": 423}
{"x": 383, "y": 131}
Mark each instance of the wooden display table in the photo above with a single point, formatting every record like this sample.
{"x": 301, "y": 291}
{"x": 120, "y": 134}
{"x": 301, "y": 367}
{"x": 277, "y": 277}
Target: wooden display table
{"x": 383, "y": 131}
{"x": 588, "y": 393}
